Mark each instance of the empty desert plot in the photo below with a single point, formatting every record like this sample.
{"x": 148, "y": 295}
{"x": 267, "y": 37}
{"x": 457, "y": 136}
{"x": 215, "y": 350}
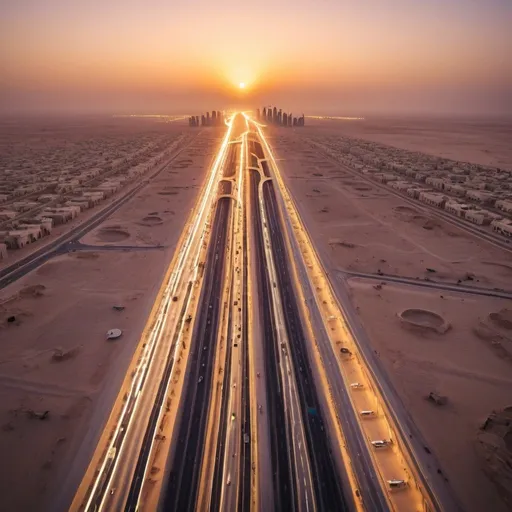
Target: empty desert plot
{"x": 468, "y": 360}
{"x": 149, "y": 219}
{"x": 55, "y": 357}
{"x": 461, "y": 347}
{"x": 366, "y": 229}
{"x": 54, "y": 352}
{"x": 480, "y": 141}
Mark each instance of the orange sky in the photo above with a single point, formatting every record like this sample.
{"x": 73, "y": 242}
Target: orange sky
{"x": 332, "y": 56}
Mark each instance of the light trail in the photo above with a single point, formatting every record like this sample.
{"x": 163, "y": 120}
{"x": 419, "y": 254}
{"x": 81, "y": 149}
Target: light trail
{"x": 410, "y": 498}
{"x": 111, "y": 454}
{"x": 288, "y": 377}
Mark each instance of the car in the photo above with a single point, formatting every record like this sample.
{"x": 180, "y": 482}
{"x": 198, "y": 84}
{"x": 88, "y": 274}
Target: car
{"x": 381, "y": 443}
{"x": 356, "y": 385}
{"x": 233, "y": 416}
{"x": 397, "y": 484}
{"x": 367, "y": 413}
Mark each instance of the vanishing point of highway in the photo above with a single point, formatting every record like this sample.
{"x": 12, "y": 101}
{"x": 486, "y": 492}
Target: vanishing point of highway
{"x": 250, "y": 388}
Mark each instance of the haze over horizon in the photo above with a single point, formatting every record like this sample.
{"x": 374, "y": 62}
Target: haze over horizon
{"x": 329, "y": 57}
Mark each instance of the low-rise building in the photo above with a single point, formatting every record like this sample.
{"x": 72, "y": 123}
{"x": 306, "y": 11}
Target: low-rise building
{"x": 455, "y": 189}
{"x": 433, "y": 199}
{"x": 7, "y": 214}
{"x": 46, "y": 198}
{"x": 82, "y": 203}
{"x": 401, "y": 186}
{"x": 504, "y": 205}
{"x": 15, "y": 239}
{"x": 481, "y": 196}
{"x": 24, "y": 206}
{"x": 503, "y": 227}
{"x": 481, "y": 217}
{"x": 437, "y": 183}
{"x": 457, "y": 208}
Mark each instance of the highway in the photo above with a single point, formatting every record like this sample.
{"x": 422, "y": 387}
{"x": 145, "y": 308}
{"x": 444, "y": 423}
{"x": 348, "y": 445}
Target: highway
{"x": 108, "y": 479}
{"x": 419, "y": 487}
{"x": 238, "y": 396}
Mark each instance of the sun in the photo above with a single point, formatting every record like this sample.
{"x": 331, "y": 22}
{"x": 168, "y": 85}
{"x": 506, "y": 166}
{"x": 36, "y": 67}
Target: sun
{"x": 241, "y": 85}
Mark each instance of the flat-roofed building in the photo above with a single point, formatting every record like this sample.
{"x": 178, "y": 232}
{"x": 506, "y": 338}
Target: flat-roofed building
{"x": 457, "y": 208}
{"x": 503, "y": 227}
{"x": 7, "y": 214}
{"x": 401, "y": 186}
{"x": 481, "y": 196}
{"x": 15, "y": 239}
{"x": 455, "y": 189}
{"x": 504, "y": 205}
{"x": 482, "y": 217}
{"x": 433, "y": 199}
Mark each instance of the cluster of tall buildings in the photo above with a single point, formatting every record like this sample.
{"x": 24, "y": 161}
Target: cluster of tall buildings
{"x": 216, "y": 118}
{"x": 278, "y": 117}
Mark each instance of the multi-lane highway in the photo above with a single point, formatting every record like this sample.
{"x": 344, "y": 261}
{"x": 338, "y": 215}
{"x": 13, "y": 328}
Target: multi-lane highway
{"x": 238, "y": 397}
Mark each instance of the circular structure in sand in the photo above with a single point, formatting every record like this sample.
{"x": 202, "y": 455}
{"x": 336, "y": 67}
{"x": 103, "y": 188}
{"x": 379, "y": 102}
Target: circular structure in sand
{"x": 405, "y": 209}
{"x": 502, "y": 318}
{"x": 151, "y": 220}
{"x": 111, "y": 234}
{"x": 36, "y": 290}
{"x": 424, "y": 319}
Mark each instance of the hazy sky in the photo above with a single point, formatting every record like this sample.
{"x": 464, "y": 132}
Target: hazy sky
{"x": 320, "y": 56}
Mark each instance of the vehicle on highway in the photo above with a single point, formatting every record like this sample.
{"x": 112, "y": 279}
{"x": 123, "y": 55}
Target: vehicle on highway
{"x": 367, "y": 414}
{"x": 233, "y": 416}
{"x": 382, "y": 443}
{"x": 397, "y": 484}
{"x": 356, "y": 385}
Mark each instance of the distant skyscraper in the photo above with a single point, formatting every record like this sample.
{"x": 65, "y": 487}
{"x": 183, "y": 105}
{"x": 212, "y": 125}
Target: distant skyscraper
{"x": 203, "y": 120}
{"x": 197, "y": 120}
{"x": 280, "y": 117}
{"x": 264, "y": 114}
{"x": 294, "y": 121}
{"x": 207, "y": 118}
{"x": 274, "y": 114}
{"x": 285, "y": 119}
{"x": 214, "y": 117}
{"x": 269, "y": 114}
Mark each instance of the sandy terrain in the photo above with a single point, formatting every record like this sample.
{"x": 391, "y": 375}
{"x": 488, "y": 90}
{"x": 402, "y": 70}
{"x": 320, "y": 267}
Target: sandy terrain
{"x": 48, "y": 164}
{"x": 357, "y": 227}
{"x": 476, "y": 141}
{"x": 54, "y": 355}
{"x": 458, "y": 364}
{"x": 146, "y": 221}
{"x": 366, "y": 229}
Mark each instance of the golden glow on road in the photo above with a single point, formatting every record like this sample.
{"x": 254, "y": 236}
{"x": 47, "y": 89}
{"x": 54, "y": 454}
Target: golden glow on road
{"x": 395, "y": 462}
{"x": 185, "y": 261}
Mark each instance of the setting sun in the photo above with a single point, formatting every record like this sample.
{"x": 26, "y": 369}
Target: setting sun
{"x": 241, "y": 85}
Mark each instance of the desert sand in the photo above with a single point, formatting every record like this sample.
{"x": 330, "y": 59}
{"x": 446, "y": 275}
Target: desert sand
{"x": 445, "y": 342}
{"x": 54, "y": 355}
{"x": 479, "y": 141}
